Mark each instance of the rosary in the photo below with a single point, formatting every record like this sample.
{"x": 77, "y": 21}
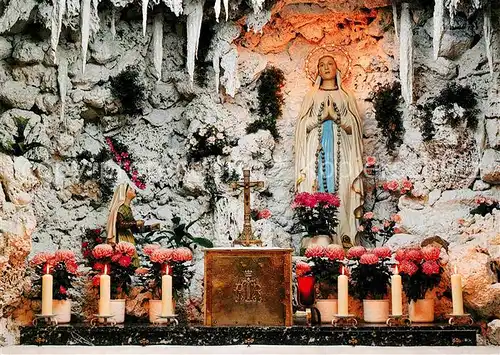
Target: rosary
{"x": 321, "y": 152}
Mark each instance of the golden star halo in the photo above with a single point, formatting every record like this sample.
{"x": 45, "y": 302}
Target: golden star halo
{"x": 342, "y": 58}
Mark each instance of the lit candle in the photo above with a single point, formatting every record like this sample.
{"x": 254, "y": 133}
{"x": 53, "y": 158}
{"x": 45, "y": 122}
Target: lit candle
{"x": 105, "y": 293}
{"x": 166, "y": 293}
{"x": 47, "y": 292}
{"x": 396, "y": 293}
{"x": 343, "y": 296}
{"x": 456, "y": 293}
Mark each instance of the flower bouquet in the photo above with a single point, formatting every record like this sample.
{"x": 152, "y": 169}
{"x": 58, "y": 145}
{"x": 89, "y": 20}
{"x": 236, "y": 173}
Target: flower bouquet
{"x": 420, "y": 272}
{"x": 370, "y": 280}
{"x": 64, "y": 269}
{"x": 373, "y": 230}
{"x": 317, "y": 212}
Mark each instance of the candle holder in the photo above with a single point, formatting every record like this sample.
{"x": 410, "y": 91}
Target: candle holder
{"x": 48, "y": 319}
{"x": 349, "y": 320}
{"x": 170, "y": 320}
{"x": 460, "y": 319}
{"x": 399, "y": 319}
{"x": 107, "y": 320}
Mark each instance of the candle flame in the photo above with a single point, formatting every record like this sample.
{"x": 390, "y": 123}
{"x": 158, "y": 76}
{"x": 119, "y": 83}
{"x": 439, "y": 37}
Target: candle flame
{"x": 455, "y": 270}
{"x": 396, "y": 272}
{"x": 105, "y": 269}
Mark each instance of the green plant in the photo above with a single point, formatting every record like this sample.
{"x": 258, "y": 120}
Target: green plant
{"x": 19, "y": 146}
{"x": 227, "y": 175}
{"x": 270, "y": 101}
{"x": 129, "y": 89}
{"x": 389, "y": 119}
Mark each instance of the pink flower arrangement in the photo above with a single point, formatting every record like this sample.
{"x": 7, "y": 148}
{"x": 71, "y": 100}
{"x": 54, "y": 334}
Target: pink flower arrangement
{"x": 431, "y": 253}
{"x": 315, "y": 251}
{"x": 408, "y": 267}
{"x": 182, "y": 254}
{"x": 382, "y": 252}
{"x": 356, "y": 252}
{"x": 161, "y": 255}
{"x": 311, "y": 200}
{"x": 302, "y": 268}
{"x": 317, "y": 212}
{"x": 124, "y": 159}
{"x": 430, "y": 268}
{"x": 335, "y": 252}
{"x": 150, "y": 248}
{"x": 414, "y": 254}
{"x": 102, "y": 251}
{"x": 369, "y": 259}
{"x": 371, "y": 161}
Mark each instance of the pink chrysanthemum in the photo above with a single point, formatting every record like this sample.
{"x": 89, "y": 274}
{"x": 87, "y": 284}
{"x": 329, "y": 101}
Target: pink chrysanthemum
{"x": 64, "y": 256}
{"x": 125, "y": 248}
{"x": 161, "y": 255}
{"x": 302, "y": 268}
{"x": 369, "y": 259}
{"x": 414, "y": 255}
{"x": 408, "y": 267}
{"x": 181, "y": 255}
{"x": 71, "y": 266}
{"x": 400, "y": 255}
{"x": 382, "y": 252}
{"x": 430, "y": 268}
{"x": 368, "y": 215}
{"x": 334, "y": 252}
{"x": 356, "y": 252}
{"x": 150, "y": 248}
{"x": 42, "y": 258}
{"x": 102, "y": 251}
{"x": 315, "y": 251}
{"x": 430, "y": 253}
{"x": 125, "y": 260}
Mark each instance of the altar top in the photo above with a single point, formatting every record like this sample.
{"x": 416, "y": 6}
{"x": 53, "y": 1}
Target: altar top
{"x": 249, "y": 248}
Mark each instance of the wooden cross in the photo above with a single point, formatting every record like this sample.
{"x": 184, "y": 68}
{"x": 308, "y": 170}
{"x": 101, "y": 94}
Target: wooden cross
{"x": 246, "y": 238}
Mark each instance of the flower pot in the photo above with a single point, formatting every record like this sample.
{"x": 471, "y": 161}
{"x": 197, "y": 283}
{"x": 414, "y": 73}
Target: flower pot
{"x": 117, "y": 310}
{"x": 328, "y": 308}
{"x": 62, "y": 310}
{"x": 422, "y": 311}
{"x": 155, "y": 310}
{"x": 375, "y": 311}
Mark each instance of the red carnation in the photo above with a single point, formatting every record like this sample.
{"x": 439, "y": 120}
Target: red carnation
{"x": 400, "y": 255}
{"x": 85, "y": 244}
{"x": 98, "y": 266}
{"x": 430, "y": 268}
{"x": 382, "y": 252}
{"x": 62, "y": 290}
{"x": 368, "y": 259}
{"x": 408, "y": 267}
{"x": 125, "y": 261}
{"x": 430, "y": 253}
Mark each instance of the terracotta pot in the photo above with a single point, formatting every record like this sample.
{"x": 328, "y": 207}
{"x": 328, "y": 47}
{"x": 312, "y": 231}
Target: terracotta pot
{"x": 328, "y": 308}
{"x": 422, "y": 311}
{"x": 375, "y": 311}
{"x": 117, "y": 309}
{"x": 155, "y": 310}
{"x": 62, "y": 310}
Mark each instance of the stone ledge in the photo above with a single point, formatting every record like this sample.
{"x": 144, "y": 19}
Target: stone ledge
{"x": 145, "y": 334}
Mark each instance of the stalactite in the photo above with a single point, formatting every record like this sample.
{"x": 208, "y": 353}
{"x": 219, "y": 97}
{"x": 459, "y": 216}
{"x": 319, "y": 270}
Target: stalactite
{"x": 395, "y": 17}
{"x": 488, "y": 35}
{"x": 174, "y": 5}
{"x": 452, "y": 8}
{"x": 216, "y": 65}
{"x": 16, "y": 10}
{"x": 257, "y": 5}
{"x": 229, "y": 62}
{"x": 226, "y": 8}
{"x": 113, "y": 25}
{"x": 85, "y": 30}
{"x": 406, "y": 54}
{"x": 217, "y": 10}
{"x": 194, "y": 12}
{"x": 144, "y": 16}
{"x": 158, "y": 43}
{"x": 438, "y": 19}
{"x": 58, "y": 9}
{"x": 62, "y": 80}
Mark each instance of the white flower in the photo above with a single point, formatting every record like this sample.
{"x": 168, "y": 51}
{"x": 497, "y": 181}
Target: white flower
{"x": 220, "y": 135}
{"x": 211, "y": 139}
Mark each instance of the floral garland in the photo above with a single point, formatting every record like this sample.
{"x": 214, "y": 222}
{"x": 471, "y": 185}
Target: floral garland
{"x": 123, "y": 158}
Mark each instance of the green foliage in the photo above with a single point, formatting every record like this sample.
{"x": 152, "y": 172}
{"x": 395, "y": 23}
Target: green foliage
{"x": 178, "y": 237}
{"x": 227, "y": 175}
{"x": 370, "y": 281}
{"x": 271, "y": 101}
{"x": 417, "y": 285}
{"x": 208, "y": 141}
{"x": 326, "y": 272}
{"x": 389, "y": 119}
{"x": 129, "y": 89}
{"x": 452, "y": 95}
{"x": 19, "y": 147}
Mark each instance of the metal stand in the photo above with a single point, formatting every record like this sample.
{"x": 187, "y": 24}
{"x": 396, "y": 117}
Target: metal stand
{"x": 48, "y": 319}
{"x": 460, "y": 319}
{"x": 106, "y": 320}
{"x": 400, "y": 319}
{"x": 170, "y": 320}
{"x": 349, "y": 319}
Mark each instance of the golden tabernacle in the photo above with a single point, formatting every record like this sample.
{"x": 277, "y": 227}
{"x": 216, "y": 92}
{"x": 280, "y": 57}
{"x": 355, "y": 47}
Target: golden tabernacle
{"x": 248, "y": 286}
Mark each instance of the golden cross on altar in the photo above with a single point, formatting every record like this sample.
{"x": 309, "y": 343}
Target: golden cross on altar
{"x": 246, "y": 238}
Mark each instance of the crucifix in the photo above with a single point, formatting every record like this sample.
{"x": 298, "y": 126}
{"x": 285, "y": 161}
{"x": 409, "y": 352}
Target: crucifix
{"x": 246, "y": 238}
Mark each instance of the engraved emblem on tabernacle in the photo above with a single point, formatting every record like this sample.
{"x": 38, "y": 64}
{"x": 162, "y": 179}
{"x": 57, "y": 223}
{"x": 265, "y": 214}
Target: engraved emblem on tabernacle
{"x": 248, "y": 290}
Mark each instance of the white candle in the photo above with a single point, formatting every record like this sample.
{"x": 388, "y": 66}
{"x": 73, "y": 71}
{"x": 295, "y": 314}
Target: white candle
{"x": 396, "y": 293}
{"x": 105, "y": 293}
{"x": 47, "y": 284}
{"x": 166, "y": 293}
{"x": 343, "y": 295}
{"x": 456, "y": 293}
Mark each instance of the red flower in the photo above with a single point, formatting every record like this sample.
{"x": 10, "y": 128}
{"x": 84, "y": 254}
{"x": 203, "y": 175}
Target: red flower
{"x": 125, "y": 261}
{"x": 408, "y": 267}
{"x": 102, "y": 251}
{"x": 96, "y": 280}
{"x": 182, "y": 255}
{"x": 392, "y": 185}
{"x": 62, "y": 290}
{"x": 400, "y": 255}
{"x": 150, "y": 248}
{"x": 71, "y": 266}
{"x": 315, "y": 251}
{"x": 302, "y": 268}
{"x": 368, "y": 215}
{"x": 98, "y": 266}
{"x": 334, "y": 252}
{"x": 406, "y": 185}
{"x": 264, "y": 214}
{"x": 430, "y": 253}
{"x": 430, "y": 268}
{"x": 86, "y": 253}
{"x": 124, "y": 155}
{"x": 370, "y": 161}
{"x": 85, "y": 244}
{"x": 382, "y": 252}
{"x": 369, "y": 259}
{"x": 414, "y": 255}
{"x": 97, "y": 231}
{"x": 125, "y": 248}
{"x": 356, "y": 252}
{"x": 98, "y": 240}
{"x": 396, "y": 218}
{"x": 375, "y": 229}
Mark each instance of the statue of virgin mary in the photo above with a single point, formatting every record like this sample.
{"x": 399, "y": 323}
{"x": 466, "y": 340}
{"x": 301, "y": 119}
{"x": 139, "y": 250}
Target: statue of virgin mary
{"x": 328, "y": 146}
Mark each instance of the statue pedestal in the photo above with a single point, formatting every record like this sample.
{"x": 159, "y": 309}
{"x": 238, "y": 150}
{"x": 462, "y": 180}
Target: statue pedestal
{"x": 247, "y": 286}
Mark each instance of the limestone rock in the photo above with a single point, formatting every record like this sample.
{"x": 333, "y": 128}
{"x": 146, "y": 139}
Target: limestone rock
{"x": 37, "y": 75}
{"x": 47, "y": 103}
{"x": 27, "y": 52}
{"x": 5, "y": 48}
{"x": 17, "y": 94}
{"x": 93, "y": 75}
{"x": 490, "y": 166}
{"x": 98, "y": 97}
{"x": 164, "y": 96}
{"x": 16, "y": 11}
{"x": 493, "y": 332}
{"x": 158, "y": 118}
{"x": 493, "y": 132}
{"x": 454, "y": 43}
{"x": 250, "y": 65}
{"x": 480, "y": 185}
{"x": 104, "y": 49}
